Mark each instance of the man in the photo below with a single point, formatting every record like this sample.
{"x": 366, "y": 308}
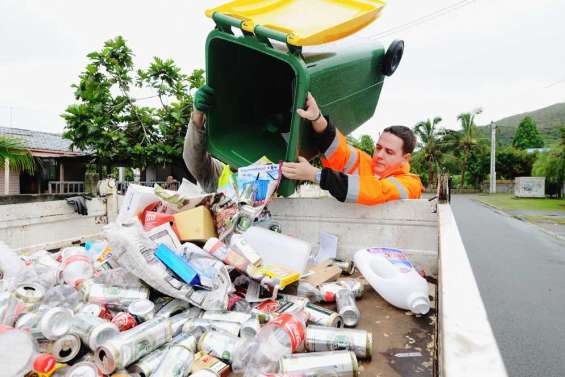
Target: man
{"x": 201, "y": 165}
{"x": 350, "y": 174}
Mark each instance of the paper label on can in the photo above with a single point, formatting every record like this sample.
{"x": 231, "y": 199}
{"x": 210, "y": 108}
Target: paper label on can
{"x": 292, "y": 327}
{"x": 319, "y": 340}
{"x": 339, "y": 361}
{"x": 395, "y": 256}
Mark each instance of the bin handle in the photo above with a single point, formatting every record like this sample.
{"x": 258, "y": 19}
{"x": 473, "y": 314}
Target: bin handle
{"x": 262, "y": 33}
{"x": 225, "y": 22}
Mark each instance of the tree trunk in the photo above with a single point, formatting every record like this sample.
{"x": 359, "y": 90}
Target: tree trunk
{"x": 464, "y": 169}
{"x": 430, "y": 174}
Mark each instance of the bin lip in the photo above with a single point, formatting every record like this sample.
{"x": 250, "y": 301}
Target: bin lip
{"x": 330, "y": 20}
{"x": 295, "y": 63}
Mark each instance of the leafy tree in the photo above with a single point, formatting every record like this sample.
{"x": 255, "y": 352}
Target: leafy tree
{"x": 551, "y": 165}
{"x": 13, "y": 150}
{"x": 527, "y": 135}
{"x": 428, "y": 142}
{"x": 365, "y": 143}
{"x": 110, "y": 121}
{"x": 478, "y": 164}
{"x": 419, "y": 165}
{"x": 512, "y": 162}
{"x": 468, "y": 139}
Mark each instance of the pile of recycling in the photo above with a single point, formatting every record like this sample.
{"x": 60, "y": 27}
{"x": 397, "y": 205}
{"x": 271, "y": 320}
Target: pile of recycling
{"x": 185, "y": 283}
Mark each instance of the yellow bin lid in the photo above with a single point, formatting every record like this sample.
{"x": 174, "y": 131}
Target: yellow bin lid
{"x": 306, "y": 22}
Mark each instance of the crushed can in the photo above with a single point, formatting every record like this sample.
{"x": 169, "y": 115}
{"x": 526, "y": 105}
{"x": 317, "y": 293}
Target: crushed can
{"x": 347, "y": 307}
{"x": 322, "y": 316}
{"x": 124, "y": 321}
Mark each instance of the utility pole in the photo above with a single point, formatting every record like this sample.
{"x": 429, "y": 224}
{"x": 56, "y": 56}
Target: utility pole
{"x": 492, "y": 158}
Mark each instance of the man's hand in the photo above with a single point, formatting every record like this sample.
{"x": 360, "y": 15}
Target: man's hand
{"x": 204, "y": 101}
{"x": 313, "y": 114}
{"x": 300, "y": 171}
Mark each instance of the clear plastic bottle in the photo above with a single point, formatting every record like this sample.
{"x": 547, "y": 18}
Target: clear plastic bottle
{"x": 76, "y": 266}
{"x": 281, "y": 336}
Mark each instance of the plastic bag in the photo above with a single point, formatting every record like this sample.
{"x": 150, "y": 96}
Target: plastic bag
{"x": 227, "y": 184}
{"x": 135, "y": 252}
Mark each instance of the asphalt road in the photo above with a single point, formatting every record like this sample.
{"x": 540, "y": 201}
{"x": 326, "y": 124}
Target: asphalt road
{"x": 521, "y": 275}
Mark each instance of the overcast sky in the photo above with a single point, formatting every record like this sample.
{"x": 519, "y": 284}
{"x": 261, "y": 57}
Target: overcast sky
{"x": 506, "y": 56}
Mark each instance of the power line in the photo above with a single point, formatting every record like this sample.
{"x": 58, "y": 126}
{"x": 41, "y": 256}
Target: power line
{"x": 425, "y": 18}
{"x": 555, "y": 83}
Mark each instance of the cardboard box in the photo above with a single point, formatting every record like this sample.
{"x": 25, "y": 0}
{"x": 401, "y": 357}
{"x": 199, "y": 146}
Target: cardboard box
{"x": 322, "y": 273}
{"x": 195, "y": 224}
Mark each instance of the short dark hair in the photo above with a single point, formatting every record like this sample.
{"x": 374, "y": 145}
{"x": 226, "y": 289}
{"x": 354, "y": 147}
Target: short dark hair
{"x": 407, "y": 136}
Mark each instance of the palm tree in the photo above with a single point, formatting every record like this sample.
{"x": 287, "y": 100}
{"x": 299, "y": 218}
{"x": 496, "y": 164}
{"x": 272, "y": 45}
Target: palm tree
{"x": 468, "y": 140}
{"x": 427, "y": 134}
{"x": 14, "y": 151}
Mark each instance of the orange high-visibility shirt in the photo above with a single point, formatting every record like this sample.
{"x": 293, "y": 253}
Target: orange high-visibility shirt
{"x": 348, "y": 174}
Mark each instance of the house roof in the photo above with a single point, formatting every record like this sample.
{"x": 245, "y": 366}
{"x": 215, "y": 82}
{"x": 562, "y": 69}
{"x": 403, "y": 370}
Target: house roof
{"x": 43, "y": 144}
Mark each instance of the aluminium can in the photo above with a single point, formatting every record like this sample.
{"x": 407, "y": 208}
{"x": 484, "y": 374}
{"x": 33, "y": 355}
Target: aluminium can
{"x": 341, "y": 363}
{"x": 208, "y": 324}
{"x": 65, "y": 349}
{"x": 218, "y": 344}
{"x": 93, "y": 330}
{"x": 321, "y": 316}
{"x": 124, "y": 349}
{"x": 320, "y": 339}
{"x": 347, "y": 307}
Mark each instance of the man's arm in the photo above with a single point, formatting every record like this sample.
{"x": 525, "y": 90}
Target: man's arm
{"x": 336, "y": 153}
{"x": 367, "y": 189}
{"x": 201, "y": 165}
{"x": 362, "y": 189}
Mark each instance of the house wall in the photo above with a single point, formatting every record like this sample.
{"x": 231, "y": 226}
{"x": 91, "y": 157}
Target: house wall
{"x": 14, "y": 188}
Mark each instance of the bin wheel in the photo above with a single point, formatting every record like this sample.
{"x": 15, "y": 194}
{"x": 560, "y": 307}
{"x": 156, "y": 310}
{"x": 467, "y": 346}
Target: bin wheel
{"x": 393, "y": 56}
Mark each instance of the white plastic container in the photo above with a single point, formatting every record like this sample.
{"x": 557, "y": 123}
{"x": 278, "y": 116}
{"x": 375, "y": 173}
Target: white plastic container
{"x": 276, "y": 248}
{"x": 392, "y": 275}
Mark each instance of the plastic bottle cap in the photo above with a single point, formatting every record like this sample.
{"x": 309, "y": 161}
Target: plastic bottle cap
{"x": 420, "y": 305}
{"x": 44, "y": 363}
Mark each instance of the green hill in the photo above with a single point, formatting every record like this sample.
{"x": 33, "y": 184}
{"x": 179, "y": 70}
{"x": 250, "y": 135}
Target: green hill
{"x": 549, "y": 120}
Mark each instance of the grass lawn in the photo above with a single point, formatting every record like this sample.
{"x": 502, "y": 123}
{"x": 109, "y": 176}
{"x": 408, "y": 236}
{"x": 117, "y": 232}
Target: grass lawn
{"x": 507, "y": 202}
{"x": 544, "y": 219}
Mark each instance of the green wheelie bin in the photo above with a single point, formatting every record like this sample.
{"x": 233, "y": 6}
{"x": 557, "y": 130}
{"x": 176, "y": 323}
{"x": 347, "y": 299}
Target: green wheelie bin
{"x": 261, "y": 74}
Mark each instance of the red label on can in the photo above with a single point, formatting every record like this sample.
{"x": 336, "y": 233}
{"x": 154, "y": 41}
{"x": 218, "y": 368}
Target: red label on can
{"x": 124, "y": 321}
{"x": 329, "y": 297}
{"x": 293, "y": 328}
{"x": 105, "y": 313}
{"x": 268, "y": 306}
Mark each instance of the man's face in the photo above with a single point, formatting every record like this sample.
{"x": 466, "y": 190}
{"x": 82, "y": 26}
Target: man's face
{"x": 388, "y": 153}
